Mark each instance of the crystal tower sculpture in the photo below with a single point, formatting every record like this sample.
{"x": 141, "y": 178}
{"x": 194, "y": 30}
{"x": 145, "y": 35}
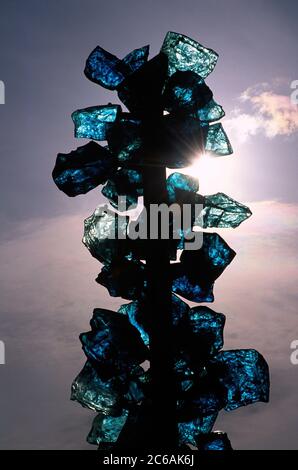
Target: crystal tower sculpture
{"x": 171, "y": 117}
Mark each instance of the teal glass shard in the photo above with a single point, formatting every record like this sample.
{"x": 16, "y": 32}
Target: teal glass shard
{"x": 244, "y": 374}
{"x": 207, "y": 330}
{"x": 177, "y": 181}
{"x": 138, "y": 317}
{"x": 190, "y": 431}
{"x": 187, "y": 92}
{"x": 210, "y": 112}
{"x": 222, "y": 211}
{"x": 124, "y": 183}
{"x": 134, "y": 313}
{"x": 106, "y": 429}
{"x": 194, "y": 276}
{"x": 113, "y": 345}
{"x": 81, "y": 170}
{"x": 124, "y": 279}
{"x": 105, "y": 69}
{"x": 95, "y": 122}
{"x": 186, "y": 54}
{"x": 136, "y": 59}
{"x": 216, "y": 440}
{"x": 105, "y": 235}
{"x": 125, "y": 139}
{"x": 217, "y": 141}
{"x": 92, "y": 392}
{"x": 191, "y": 290}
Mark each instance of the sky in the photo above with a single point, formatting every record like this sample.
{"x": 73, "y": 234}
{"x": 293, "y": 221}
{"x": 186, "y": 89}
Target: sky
{"x": 47, "y": 288}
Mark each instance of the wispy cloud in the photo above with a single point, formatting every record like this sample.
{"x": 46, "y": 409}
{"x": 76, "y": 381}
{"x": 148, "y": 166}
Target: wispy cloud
{"x": 262, "y": 110}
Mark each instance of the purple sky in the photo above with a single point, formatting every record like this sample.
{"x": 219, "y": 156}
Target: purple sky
{"x": 48, "y": 292}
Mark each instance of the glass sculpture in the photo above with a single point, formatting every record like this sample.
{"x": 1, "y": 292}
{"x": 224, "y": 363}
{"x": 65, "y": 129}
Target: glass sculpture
{"x": 156, "y": 374}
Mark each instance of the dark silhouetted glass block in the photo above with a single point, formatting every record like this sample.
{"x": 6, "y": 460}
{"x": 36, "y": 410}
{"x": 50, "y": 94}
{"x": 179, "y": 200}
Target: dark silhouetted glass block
{"x": 206, "y": 397}
{"x": 210, "y": 261}
{"x": 105, "y": 235}
{"x": 141, "y": 92}
{"x": 178, "y": 181}
{"x": 224, "y": 212}
{"x": 125, "y": 139}
{"x": 217, "y": 141}
{"x": 190, "y": 431}
{"x": 187, "y": 92}
{"x": 92, "y": 392}
{"x": 95, "y": 122}
{"x": 217, "y": 440}
{"x": 245, "y": 375}
{"x": 186, "y": 54}
{"x": 83, "y": 169}
{"x": 106, "y": 429}
{"x": 137, "y": 315}
{"x": 124, "y": 182}
{"x": 211, "y": 112}
{"x": 194, "y": 276}
{"x": 114, "y": 346}
{"x": 136, "y": 59}
{"x": 207, "y": 328}
{"x": 124, "y": 279}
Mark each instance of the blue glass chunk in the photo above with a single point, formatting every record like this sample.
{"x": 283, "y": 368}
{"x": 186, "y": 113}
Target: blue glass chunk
{"x": 83, "y": 169}
{"x": 216, "y": 440}
{"x": 194, "y": 276}
{"x": 106, "y": 429}
{"x": 217, "y": 141}
{"x": 113, "y": 345}
{"x": 224, "y": 212}
{"x": 136, "y": 313}
{"x": 125, "y": 139}
{"x": 137, "y": 58}
{"x": 92, "y": 392}
{"x": 245, "y": 375}
{"x": 95, "y": 122}
{"x": 124, "y": 183}
{"x": 190, "y": 431}
{"x": 178, "y": 181}
{"x": 105, "y": 235}
{"x": 214, "y": 256}
{"x": 124, "y": 279}
{"x": 207, "y": 328}
{"x": 186, "y": 54}
{"x": 186, "y": 91}
{"x": 191, "y": 290}
{"x": 105, "y": 69}
{"x": 206, "y": 397}
{"x": 211, "y": 112}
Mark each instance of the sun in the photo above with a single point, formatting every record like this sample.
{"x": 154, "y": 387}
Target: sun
{"x": 215, "y": 174}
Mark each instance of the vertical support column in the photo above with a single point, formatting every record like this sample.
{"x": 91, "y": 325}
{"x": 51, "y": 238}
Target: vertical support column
{"x": 159, "y": 310}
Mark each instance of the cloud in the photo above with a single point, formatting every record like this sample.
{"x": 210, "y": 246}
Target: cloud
{"x": 263, "y": 111}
